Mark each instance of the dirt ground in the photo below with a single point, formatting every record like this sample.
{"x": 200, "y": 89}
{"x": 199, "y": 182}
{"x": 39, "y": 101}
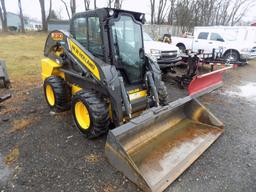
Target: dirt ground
{"x": 41, "y": 151}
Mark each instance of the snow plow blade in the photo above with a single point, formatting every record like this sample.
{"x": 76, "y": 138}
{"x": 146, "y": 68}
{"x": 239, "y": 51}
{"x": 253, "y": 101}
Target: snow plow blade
{"x": 153, "y": 149}
{"x": 208, "y": 81}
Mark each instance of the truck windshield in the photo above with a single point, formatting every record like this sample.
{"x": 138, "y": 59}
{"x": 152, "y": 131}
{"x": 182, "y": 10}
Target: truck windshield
{"x": 146, "y": 37}
{"x": 128, "y": 47}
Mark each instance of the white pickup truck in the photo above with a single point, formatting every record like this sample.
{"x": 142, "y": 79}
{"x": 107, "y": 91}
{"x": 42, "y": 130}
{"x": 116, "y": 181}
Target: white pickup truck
{"x": 209, "y": 39}
{"x": 165, "y": 54}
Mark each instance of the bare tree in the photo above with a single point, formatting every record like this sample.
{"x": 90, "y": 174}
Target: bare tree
{"x": 53, "y": 15}
{"x": 50, "y": 12}
{"x": 239, "y": 9}
{"x": 160, "y": 12}
{"x": 110, "y": 3}
{"x": 44, "y": 22}
{"x": 152, "y": 10}
{"x": 45, "y": 19}
{"x": 117, "y": 4}
{"x": 21, "y": 17}
{"x": 3, "y": 16}
{"x": 59, "y": 13}
{"x": 73, "y": 6}
{"x": 171, "y": 12}
{"x": 87, "y": 4}
{"x": 189, "y": 13}
{"x": 66, "y": 7}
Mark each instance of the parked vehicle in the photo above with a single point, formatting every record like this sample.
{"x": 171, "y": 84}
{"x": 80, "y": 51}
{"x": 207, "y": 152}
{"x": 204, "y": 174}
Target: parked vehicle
{"x": 241, "y": 33}
{"x": 208, "y": 38}
{"x": 100, "y": 71}
{"x": 165, "y": 54}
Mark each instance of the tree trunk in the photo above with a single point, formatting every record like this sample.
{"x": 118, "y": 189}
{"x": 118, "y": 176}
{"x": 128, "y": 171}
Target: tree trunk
{"x": 44, "y": 22}
{"x": 152, "y": 11}
{"x": 3, "y": 16}
{"x": 73, "y": 6}
{"x": 87, "y": 4}
{"x": 109, "y": 3}
{"x": 50, "y": 11}
{"x": 21, "y": 17}
{"x": 117, "y": 4}
{"x": 95, "y": 4}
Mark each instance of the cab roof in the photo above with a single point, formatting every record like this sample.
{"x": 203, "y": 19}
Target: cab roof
{"x": 104, "y": 13}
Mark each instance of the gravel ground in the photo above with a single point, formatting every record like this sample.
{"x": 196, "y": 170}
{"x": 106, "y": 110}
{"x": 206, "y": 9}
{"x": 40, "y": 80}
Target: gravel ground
{"x": 41, "y": 151}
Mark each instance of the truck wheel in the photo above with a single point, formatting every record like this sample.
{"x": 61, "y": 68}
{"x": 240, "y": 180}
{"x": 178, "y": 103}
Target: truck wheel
{"x": 57, "y": 93}
{"x": 181, "y": 47}
{"x": 162, "y": 93}
{"x": 90, "y": 114}
{"x": 231, "y": 56}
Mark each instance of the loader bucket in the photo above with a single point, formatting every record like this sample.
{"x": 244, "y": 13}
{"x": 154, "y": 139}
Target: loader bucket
{"x": 208, "y": 81}
{"x": 153, "y": 149}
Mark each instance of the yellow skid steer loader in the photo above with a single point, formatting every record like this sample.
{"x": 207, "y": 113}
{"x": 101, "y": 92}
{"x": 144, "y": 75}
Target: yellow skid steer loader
{"x": 100, "y": 71}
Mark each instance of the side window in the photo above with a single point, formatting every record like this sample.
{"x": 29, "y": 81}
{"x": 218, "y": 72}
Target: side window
{"x": 216, "y": 37}
{"x": 80, "y": 31}
{"x": 203, "y": 35}
{"x": 95, "y": 40}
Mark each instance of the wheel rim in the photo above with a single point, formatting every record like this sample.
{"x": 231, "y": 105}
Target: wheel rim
{"x": 82, "y": 115}
{"x": 232, "y": 57}
{"x": 50, "y": 95}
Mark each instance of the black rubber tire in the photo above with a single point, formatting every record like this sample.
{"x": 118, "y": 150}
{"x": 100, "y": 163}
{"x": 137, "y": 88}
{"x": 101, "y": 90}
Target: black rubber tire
{"x": 162, "y": 93}
{"x": 62, "y": 93}
{"x": 233, "y": 54}
{"x": 181, "y": 47}
{"x": 98, "y": 112}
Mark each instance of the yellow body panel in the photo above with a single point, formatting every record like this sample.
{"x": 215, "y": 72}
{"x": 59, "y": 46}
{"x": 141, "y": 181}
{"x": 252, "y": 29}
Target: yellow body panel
{"x": 75, "y": 89}
{"x": 137, "y": 95}
{"x": 84, "y": 59}
{"x": 134, "y": 91}
{"x": 49, "y": 68}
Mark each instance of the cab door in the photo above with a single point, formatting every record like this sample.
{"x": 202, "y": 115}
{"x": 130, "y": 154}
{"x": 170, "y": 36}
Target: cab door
{"x": 201, "y": 42}
{"x": 215, "y": 42}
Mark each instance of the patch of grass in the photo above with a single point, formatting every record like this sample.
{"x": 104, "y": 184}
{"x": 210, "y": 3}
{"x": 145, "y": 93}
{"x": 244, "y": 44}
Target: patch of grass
{"x": 22, "y": 53}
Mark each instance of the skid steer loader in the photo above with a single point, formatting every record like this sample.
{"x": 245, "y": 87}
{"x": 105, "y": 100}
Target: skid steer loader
{"x": 100, "y": 71}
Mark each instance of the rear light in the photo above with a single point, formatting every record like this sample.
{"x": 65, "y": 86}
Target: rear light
{"x": 57, "y": 36}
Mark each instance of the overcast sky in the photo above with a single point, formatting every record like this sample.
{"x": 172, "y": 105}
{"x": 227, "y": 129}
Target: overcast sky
{"x": 31, "y": 8}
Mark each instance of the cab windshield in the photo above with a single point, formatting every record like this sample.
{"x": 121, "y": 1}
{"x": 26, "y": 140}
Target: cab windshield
{"x": 128, "y": 47}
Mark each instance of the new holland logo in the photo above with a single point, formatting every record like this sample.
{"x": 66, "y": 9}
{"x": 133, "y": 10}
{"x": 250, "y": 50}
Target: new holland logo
{"x": 84, "y": 59}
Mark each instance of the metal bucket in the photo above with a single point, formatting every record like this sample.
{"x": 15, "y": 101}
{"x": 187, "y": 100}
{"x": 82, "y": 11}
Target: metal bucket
{"x": 153, "y": 149}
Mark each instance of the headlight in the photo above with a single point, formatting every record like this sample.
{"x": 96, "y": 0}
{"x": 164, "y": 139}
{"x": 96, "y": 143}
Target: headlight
{"x": 155, "y": 51}
{"x": 245, "y": 50}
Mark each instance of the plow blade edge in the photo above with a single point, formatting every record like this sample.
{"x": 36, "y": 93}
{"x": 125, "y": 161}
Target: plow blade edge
{"x": 153, "y": 149}
{"x": 206, "y": 82}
